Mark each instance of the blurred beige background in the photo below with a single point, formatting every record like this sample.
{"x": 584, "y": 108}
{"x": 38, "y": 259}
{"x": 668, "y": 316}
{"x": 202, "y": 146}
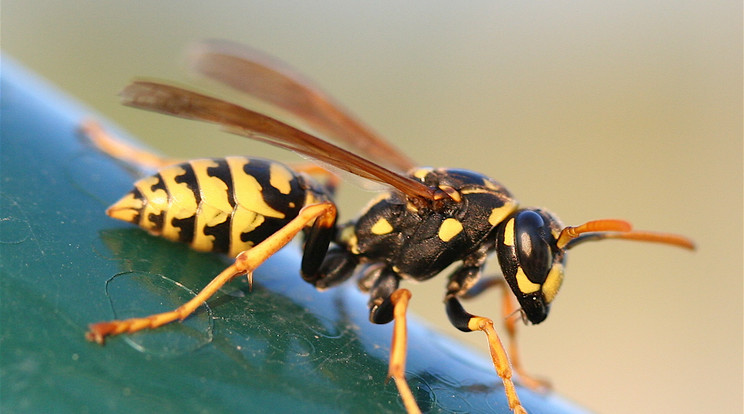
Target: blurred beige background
{"x": 593, "y": 109}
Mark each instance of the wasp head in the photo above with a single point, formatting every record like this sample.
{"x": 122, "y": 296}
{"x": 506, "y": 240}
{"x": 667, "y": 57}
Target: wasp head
{"x": 531, "y": 246}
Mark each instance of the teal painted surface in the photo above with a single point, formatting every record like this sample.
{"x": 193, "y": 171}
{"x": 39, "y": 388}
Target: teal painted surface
{"x": 283, "y": 347}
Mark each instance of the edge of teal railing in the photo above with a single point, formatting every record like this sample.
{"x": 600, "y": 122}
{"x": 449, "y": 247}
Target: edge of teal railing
{"x": 284, "y": 347}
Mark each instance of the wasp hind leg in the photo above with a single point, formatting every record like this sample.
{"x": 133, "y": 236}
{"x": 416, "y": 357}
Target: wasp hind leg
{"x": 245, "y": 263}
{"x": 121, "y": 150}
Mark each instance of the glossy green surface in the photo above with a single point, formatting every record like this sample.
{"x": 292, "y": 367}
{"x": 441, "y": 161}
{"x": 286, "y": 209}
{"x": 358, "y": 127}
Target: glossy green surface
{"x": 284, "y": 347}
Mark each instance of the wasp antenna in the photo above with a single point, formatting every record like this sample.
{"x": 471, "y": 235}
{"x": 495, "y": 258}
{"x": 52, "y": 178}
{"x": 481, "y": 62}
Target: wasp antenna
{"x": 603, "y": 229}
{"x": 654, "y": 237}
{"x": 573, "y": 232}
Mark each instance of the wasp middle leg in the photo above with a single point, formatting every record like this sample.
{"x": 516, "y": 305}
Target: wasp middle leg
{"x": 390, "y": 303}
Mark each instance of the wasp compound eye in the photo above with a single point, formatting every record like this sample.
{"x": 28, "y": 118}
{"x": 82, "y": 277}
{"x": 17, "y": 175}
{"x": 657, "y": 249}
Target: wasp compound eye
{"x": 533, "y": 238}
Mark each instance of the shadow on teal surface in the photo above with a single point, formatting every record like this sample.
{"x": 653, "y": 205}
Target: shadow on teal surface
{"x": 284, "y": 347}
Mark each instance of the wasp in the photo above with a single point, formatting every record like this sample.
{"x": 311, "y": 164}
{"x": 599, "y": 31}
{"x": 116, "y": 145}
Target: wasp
{"x": 429, "y": 219}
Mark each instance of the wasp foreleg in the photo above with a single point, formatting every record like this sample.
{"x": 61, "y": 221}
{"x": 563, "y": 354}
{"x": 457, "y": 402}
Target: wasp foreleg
{"x": 467, "y": 322}
{"x": 510, "y": 313}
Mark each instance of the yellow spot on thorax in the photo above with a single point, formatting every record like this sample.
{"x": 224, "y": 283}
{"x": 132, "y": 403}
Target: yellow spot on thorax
{"x": 382, "y": 226}
{"x": 449, "y": 229}
{"x": 421, "y": 173}
{"x": 348, "y": 236}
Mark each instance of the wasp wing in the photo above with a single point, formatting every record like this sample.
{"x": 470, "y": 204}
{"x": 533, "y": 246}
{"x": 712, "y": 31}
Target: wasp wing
{"x": 272, "y": 81}
{"x": 184, "y": 103}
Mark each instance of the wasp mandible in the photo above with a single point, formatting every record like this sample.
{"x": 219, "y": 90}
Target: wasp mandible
{"x": 429, "y": 219}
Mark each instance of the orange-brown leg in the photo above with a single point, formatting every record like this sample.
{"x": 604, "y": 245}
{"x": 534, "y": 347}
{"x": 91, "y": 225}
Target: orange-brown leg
{"x": 245, "y": 263}
{"x": 115, "y": 147}
{"x": 510, "y": 313}
{"x": 500, "y": 360}
{"x": 398, "y": 349}
{"x": 467, "y": 322}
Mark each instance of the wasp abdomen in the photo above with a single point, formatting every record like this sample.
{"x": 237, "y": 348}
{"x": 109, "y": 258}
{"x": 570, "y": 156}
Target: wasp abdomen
{"x": 223, "y": 205}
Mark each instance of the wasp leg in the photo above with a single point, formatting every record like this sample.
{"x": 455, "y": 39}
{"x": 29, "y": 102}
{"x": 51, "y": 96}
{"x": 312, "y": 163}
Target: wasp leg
{"x": 483, "y": 285}
{"x": 399, "y": 347}
{"x": 388, "y": 303}
{"x": 510, "y": 309}
{"x": 337, "y": 267}
{"x": 317, "y": 240}
{"x": 509, "y": 313}
{"x": 467, "y": 322}
{"x": 245, "y": 263}
{"x": 116, "y": 148}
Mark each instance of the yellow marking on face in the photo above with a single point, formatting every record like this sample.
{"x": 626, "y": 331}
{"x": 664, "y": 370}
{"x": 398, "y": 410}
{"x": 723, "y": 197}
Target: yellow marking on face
{"x": 126, "y": 208}
{"x": 498, "y": 215}
{"x": 280, "y": 178}
{"x": 553, "y": 282}
{"x": 181, "y": 203}
{"x": 247, "y": 190}
{"x": 449, "y": 229}
{"x": 381, "y": 227}
{"x": 525, "y": 285}
{"x": 509, "y": 233}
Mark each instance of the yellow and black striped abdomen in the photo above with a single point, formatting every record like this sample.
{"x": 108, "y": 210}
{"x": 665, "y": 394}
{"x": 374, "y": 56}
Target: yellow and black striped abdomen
{"x": 222, "y": 205}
